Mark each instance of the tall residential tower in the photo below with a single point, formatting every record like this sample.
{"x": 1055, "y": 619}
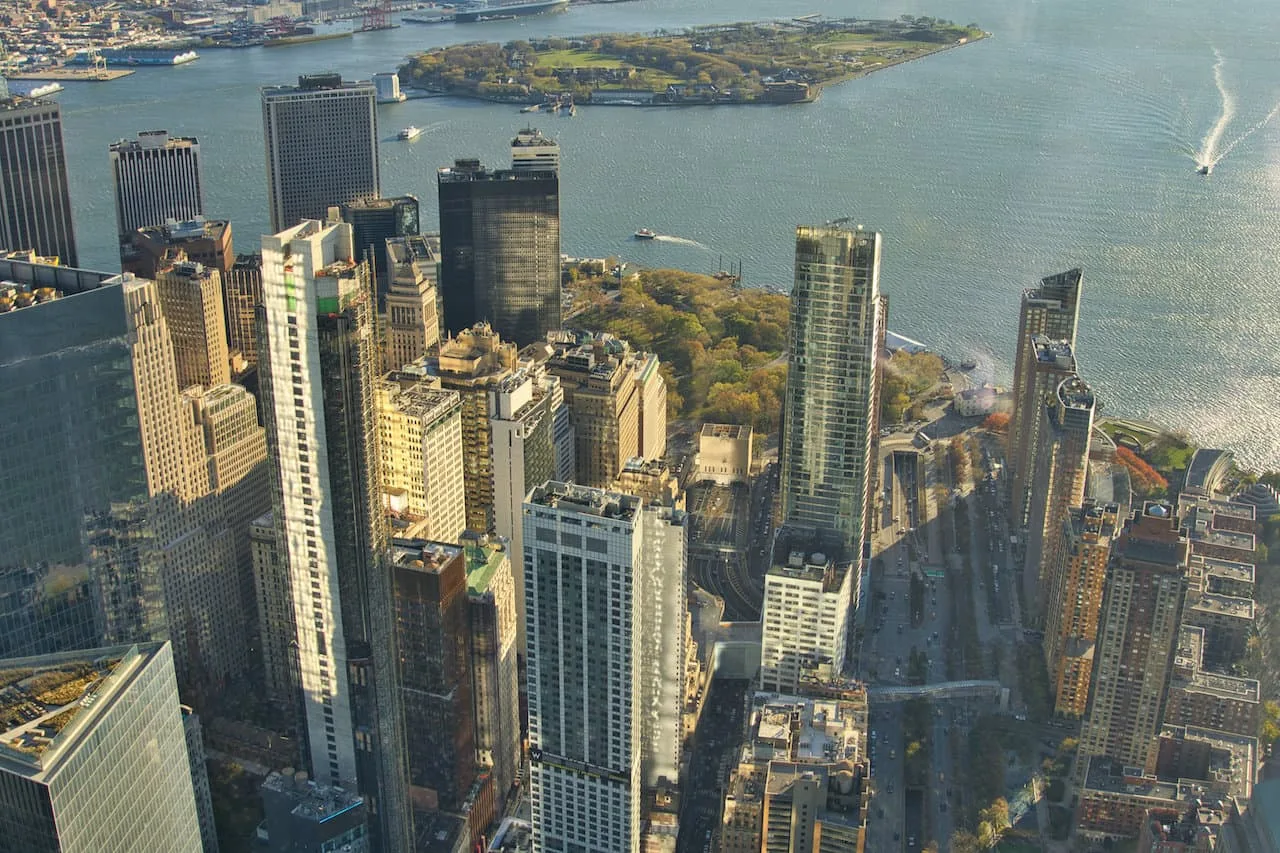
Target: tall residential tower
{"x": 830, "y": 420}
{"x": 319, "y": 367}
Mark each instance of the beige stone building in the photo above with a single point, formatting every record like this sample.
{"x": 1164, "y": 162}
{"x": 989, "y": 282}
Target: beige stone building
{"x": 1071, "y": 629}
{"x": 412, "y": 324}
{"x": 618, "y": 401}
{"x": 191, "y": 296}
{"x": 803, "y": 782}
{"x": 471, "y": 363}
{"x": 420, "y": 443}
{"x": 724, "y": 453}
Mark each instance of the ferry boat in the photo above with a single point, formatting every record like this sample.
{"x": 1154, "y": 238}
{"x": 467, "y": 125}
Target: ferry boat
{"x": 411, "y": 132}
{"x": 135, "y": 56}
{"x": 645, "y": 234}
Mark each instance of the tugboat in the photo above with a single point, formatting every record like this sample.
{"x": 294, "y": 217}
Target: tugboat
{"x": 645, "y": 234}
{"x": 410, "y": 133}
{"x": 1205, "y": 169}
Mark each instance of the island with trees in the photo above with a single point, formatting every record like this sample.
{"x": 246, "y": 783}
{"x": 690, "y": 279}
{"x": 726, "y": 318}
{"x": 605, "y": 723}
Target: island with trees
{"x": 744, "y": 63}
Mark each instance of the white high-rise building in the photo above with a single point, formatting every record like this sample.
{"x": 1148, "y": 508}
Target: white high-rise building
{"x": 533, "y": 152}
{"x": 522, "y": 448}
{"x": 319, "y": 370}
{"x": 583, "y": 551}
{"x": 808, "y": 595}
{"x": 157, "y": 178}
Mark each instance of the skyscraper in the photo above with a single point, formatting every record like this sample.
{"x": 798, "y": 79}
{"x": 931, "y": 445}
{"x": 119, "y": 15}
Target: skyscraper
{"x": 531, "y": 151}
{"x": 522, "y": 455}
{"x": 35, "y": 203}
{"x": 829, "y": 420}
{"x": 1075, "y": 602}
{"x": 191, "y": 297}
{"x": 374, "y": 221}
{"x": 321, "y": 141}
{"x": 420, "y": 442}
{"x": 241, "y": 294}
{"x": 319, "y": 369}
{"x": 156, "y": 178}
{"x": 583, "y": 548}
{"x": 1052, "y": 310}
{"x": 471, "y": 363}
{"x": 495, "y": 678}
{"x": 500, "y": 249}
{"x": 433, "y": 634}
{"x": 96, "y": 756}
{"x": 1051, "y": 363}
{"x": 66, "y": 373}
{"x": 119, "y": 538}
{"x": 1138, "y": 631}
{"x": 412, "y": 300}
{"x": 1061, "y": 468}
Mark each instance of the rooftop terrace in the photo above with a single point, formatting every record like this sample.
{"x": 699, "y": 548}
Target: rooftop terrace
{"x": 40, "y": 697}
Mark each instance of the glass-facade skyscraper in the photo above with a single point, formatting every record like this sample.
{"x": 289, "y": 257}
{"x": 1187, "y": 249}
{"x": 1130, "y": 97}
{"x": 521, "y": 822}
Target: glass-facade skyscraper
{"x": 829, "y": 414}
{"x": 500, "y": 250}
{"x": 99, "y": 762}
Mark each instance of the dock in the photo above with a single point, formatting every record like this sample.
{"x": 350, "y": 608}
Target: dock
{"x": 62, "y": 73}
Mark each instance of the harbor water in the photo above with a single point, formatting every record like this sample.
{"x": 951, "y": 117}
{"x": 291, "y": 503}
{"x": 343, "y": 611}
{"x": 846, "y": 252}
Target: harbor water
{"x": 1069, "y": 138}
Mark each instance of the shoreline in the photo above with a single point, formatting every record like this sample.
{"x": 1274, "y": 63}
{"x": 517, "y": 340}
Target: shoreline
{"x": 793, "y": 88}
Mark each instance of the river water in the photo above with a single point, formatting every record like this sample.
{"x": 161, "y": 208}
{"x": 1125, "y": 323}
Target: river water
{"x": 1070, "y": 138}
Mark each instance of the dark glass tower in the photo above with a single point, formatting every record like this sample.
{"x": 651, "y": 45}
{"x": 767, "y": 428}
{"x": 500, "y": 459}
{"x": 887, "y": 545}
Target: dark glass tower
{"x": 500, "y": 250}
{"x": 35, "y": 204}
{"x": 374, "y": 221}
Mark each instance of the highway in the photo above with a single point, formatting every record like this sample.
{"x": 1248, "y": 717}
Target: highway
{"x": 911, "y": 541}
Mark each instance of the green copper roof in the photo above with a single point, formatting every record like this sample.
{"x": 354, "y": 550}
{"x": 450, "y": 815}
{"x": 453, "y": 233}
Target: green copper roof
{"x": 482, "y": 562}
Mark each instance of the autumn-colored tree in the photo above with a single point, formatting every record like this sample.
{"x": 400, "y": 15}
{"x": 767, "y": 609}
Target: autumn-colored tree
{"x": 996, "y": 422}
{"x": 1146, "y": 480}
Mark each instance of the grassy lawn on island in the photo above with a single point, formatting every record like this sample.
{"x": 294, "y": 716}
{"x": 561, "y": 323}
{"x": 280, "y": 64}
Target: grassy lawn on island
{"x": 576, "y": 58}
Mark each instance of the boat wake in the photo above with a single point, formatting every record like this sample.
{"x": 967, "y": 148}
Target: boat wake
{"x": 1208, "y": 154}
{"x": 1250, "y": 132}
{"x": 682, "y": 241}
{"x": 1212, "y": 149}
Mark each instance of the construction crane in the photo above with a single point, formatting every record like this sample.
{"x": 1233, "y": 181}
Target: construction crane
{"x": 377, "y": 17}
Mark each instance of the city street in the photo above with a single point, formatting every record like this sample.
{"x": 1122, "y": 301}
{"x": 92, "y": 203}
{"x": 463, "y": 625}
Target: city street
{"x": 713, "y": 752}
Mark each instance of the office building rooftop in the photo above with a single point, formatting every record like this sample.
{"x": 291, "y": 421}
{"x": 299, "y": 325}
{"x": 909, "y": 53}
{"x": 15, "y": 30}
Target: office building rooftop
{"x": 423, "y": 555}
{"x": 807, "y": 730}
{"x": 483, "y": 560}
{"x": 1227, "y": 605}
{"x": 46, "y": 701}
{"x": 313, "y": 801}
{"x": 585, "y": 500}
